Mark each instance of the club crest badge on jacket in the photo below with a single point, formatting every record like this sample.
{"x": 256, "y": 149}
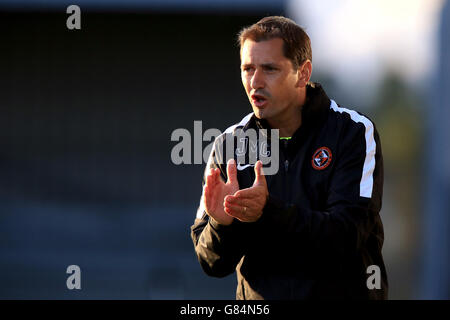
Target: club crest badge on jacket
{"x": 321, "y": 158}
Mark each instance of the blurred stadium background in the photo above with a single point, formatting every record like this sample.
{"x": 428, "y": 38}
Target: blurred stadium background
{"x": 86, "y": 117}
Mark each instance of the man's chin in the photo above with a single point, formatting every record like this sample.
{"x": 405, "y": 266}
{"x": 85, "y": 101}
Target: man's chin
{"x": 260, "y": 113}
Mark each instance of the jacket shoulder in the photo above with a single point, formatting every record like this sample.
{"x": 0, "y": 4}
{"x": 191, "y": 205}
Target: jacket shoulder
{"x": 346, "y": 117}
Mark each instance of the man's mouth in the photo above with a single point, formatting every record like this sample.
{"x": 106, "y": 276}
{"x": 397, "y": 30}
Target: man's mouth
{"x": 258, "y": 100}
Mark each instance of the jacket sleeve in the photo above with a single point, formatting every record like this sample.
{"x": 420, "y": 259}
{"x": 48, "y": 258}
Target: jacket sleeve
{"x": 218, "y": 247}
{"x": 353, "y": 201}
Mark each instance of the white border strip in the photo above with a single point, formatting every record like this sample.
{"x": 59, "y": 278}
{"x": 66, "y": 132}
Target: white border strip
{"x": 366, "y": 184}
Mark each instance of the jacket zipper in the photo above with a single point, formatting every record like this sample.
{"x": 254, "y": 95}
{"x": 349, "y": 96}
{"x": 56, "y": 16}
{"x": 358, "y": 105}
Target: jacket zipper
{"x": 286, "y": 161}
{"x": 286, "y": 167}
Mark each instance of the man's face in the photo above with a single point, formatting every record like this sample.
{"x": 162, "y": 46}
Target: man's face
{"x": 269, "y": 79}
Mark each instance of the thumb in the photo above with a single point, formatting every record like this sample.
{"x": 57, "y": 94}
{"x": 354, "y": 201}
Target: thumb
{"x": 231, "y": 171}
{"x": 260, "y": 179}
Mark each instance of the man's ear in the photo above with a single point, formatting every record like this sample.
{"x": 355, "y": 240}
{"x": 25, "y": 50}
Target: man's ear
{"x": 304, "y": 73}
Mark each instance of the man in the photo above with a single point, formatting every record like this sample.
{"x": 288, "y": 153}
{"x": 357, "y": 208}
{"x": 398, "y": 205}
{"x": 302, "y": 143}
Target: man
{"x": 312, "y": 230}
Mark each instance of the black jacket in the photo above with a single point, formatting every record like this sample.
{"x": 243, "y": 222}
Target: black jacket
{"x": 320, "y": 229}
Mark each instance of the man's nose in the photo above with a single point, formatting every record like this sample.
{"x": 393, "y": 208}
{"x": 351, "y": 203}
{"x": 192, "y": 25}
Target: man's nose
{"x": 257, "y": 81}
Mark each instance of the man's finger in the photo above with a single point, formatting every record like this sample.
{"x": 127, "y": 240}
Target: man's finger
{"x": 231, "y": 171}
{"x": 260, "y": 179}
{"x": 235, "y": 213}
{"x": 247, "y": 193}
{"x": 233, "y": 201}
{"x": 214, "y": 177}
{"x": 236, "y": 208}
{"x": 209, "y": 177}
{"x": 218, "y": 176}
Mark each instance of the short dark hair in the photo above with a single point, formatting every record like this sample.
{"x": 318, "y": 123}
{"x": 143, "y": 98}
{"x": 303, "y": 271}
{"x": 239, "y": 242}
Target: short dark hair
{"x": 297, "y": 45}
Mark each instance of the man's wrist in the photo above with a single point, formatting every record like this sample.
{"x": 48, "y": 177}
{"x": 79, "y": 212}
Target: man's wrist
{"x": 217, "y": 225}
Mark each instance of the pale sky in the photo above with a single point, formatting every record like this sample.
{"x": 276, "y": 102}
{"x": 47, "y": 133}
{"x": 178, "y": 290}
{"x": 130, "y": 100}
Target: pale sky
{"x": 356, "y": 40}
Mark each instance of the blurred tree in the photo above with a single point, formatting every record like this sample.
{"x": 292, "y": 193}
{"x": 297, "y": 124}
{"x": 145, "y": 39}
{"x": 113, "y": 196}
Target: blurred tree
{"x": 398, "y": 113}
